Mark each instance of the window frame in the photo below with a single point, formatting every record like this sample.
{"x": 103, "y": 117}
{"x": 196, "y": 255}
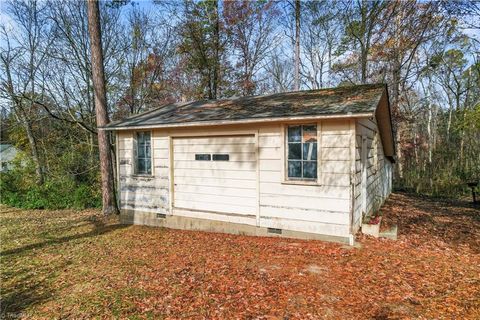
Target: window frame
{"x": 135, "y": 154}
{"x": 293, "y": 180}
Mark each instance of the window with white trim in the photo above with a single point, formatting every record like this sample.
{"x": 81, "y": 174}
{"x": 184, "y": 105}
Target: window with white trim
{"x": 301, "y": 145}
{"x": 143, "y": 153}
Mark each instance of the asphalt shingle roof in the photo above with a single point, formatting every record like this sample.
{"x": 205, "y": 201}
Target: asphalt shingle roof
{"x": 333, "y": 101}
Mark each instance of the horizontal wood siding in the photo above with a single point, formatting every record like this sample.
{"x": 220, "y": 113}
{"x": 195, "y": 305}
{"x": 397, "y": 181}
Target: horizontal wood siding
{"x": 229, "y": 191}
{"x": 232, "y": 185}
{"x": 378, "y": 170}
{"x": 322, "y": 208}
{"x": 148, "y": 194}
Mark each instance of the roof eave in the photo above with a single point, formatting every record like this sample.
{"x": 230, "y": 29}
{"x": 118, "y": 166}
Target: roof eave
{"x": 241, "y": 121}
{"x": 384, "y": 121}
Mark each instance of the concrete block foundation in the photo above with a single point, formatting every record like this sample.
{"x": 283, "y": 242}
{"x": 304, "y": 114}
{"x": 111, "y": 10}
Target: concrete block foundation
{"x": 188, "y": 223}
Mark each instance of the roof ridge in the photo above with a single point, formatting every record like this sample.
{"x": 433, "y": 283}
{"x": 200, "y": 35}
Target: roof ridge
{"x": 336, "y": 100}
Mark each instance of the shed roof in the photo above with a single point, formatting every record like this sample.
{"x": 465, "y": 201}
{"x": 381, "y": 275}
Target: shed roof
{"x": 351, "y": 100}
{"x": 369, "y": 100}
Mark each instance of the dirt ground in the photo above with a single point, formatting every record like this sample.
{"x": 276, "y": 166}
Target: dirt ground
{"x": 73, "y": 264}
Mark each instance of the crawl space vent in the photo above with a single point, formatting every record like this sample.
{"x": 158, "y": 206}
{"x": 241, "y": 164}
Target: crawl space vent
{"x": 161, "y": 216}
{"x": 274, "y": 230}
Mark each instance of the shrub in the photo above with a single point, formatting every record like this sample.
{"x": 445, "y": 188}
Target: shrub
{"x": 86, "y": 197}
{"x": 17, "y": 189}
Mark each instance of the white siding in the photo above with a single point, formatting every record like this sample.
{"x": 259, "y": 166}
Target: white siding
{"x": 379, "y": 171}
{"x": 322, "y": 208}
{"x": 231, "y": 187}
{"x": 148, "y": 194}
{"x": 251, "y": 188}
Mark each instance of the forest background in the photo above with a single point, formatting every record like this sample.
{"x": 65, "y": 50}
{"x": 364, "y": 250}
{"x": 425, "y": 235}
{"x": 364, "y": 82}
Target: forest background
{"x": 157, "y": 52}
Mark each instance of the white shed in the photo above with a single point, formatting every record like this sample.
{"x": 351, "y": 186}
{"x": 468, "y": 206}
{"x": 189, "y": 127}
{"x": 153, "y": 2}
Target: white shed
{"x": 7, "y": 155}
{"x": 307, "y": 164}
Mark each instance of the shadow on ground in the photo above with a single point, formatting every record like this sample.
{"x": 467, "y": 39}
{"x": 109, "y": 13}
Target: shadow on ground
{"x": 25, "y": 285}
{"x": 100, "y": 229}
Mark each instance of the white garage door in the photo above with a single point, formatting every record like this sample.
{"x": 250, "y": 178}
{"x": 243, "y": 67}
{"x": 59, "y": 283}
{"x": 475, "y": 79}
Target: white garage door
{"x": 216, "y": 174}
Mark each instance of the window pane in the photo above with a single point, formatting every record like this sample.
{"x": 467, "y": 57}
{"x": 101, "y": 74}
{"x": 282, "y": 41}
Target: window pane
{"x": 141, "y": 166}
{"x": 147, "y": 150}
{"x": 294, "y": 134}
{"x": 141, "y": 151}
{"x": 294, "y": 169}
{"x": 202, "y": 157}
{"x": 140, "y": 138}
{"x": 295, "y": 151}
{"x": 144, "y": 165}
{"x": 310, "y": 169}
{"x": 310, "y": 151}
{"x": 310, "y": 133}
{"x": 148, "y": 166}
{"x": 221, "y": 157}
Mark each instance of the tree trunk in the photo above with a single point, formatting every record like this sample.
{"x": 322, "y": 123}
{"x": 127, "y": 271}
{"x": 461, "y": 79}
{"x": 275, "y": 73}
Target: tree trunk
{"x": 430, "y": 145}
{"x": 363, "y": 48}
{"x": 297, "y": 46}
{"x": 106, "y": 167}
{"x": 364, "y": 57}
{"x": 216, "y": 35}
{"x": 396, "y": 117}
{"x": 32, "y": 142}
{"x": 34, "y": 150}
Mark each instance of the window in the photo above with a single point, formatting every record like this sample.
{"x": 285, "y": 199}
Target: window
{"x": 221, "y": 157}
{"x": 143, "y": 153}
{"x": 302, "y": 152}
{"x": 214, "y": 157}
{"x": 202, "y": 157}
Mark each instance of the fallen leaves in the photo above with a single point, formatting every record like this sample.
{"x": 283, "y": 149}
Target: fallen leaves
{"x": 75, "y": 267}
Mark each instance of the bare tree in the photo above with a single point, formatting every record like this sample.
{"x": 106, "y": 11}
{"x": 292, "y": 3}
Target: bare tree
{"x": 413, "y": 24}
{"x": 106, "y": 166}
{"x": 362, "y": 28}
{"x": 279, "y": 72}
{"x": 251, "y": 29}
{"x": 22, "y": 57}
{"x": 297, "y": 45}
{"x": 321, "y": 34}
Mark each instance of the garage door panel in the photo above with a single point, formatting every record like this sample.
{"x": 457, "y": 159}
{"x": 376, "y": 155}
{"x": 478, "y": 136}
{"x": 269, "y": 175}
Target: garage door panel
{"x": 215, "y": 182}
{"x": 233, "y": 156}
{"x": 212, "y": 198}
{"x": 215, "y": 207}
{"x": 216, "y": 190}
{"x": 249, "y": 147}
{"x": 224, "y": 174}
{"x": 218, "y": 186}
{"x": 216, "y": 165}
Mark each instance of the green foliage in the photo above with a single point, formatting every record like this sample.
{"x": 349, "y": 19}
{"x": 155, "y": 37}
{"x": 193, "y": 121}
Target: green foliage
{"x": 19, "y": 189}
{"x": 454, "y": 158}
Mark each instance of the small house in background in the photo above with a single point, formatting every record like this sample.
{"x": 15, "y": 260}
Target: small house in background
{"x": 306, "y": 164}
{"x": 7, "y": 155}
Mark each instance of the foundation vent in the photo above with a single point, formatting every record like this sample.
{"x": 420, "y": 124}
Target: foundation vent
{"x": 161, "y": 216}
{"x": 274, "y": 230}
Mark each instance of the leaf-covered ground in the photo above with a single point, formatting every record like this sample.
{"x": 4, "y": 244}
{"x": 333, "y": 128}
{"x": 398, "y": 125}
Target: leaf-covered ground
{"x": 72, "y": 264}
